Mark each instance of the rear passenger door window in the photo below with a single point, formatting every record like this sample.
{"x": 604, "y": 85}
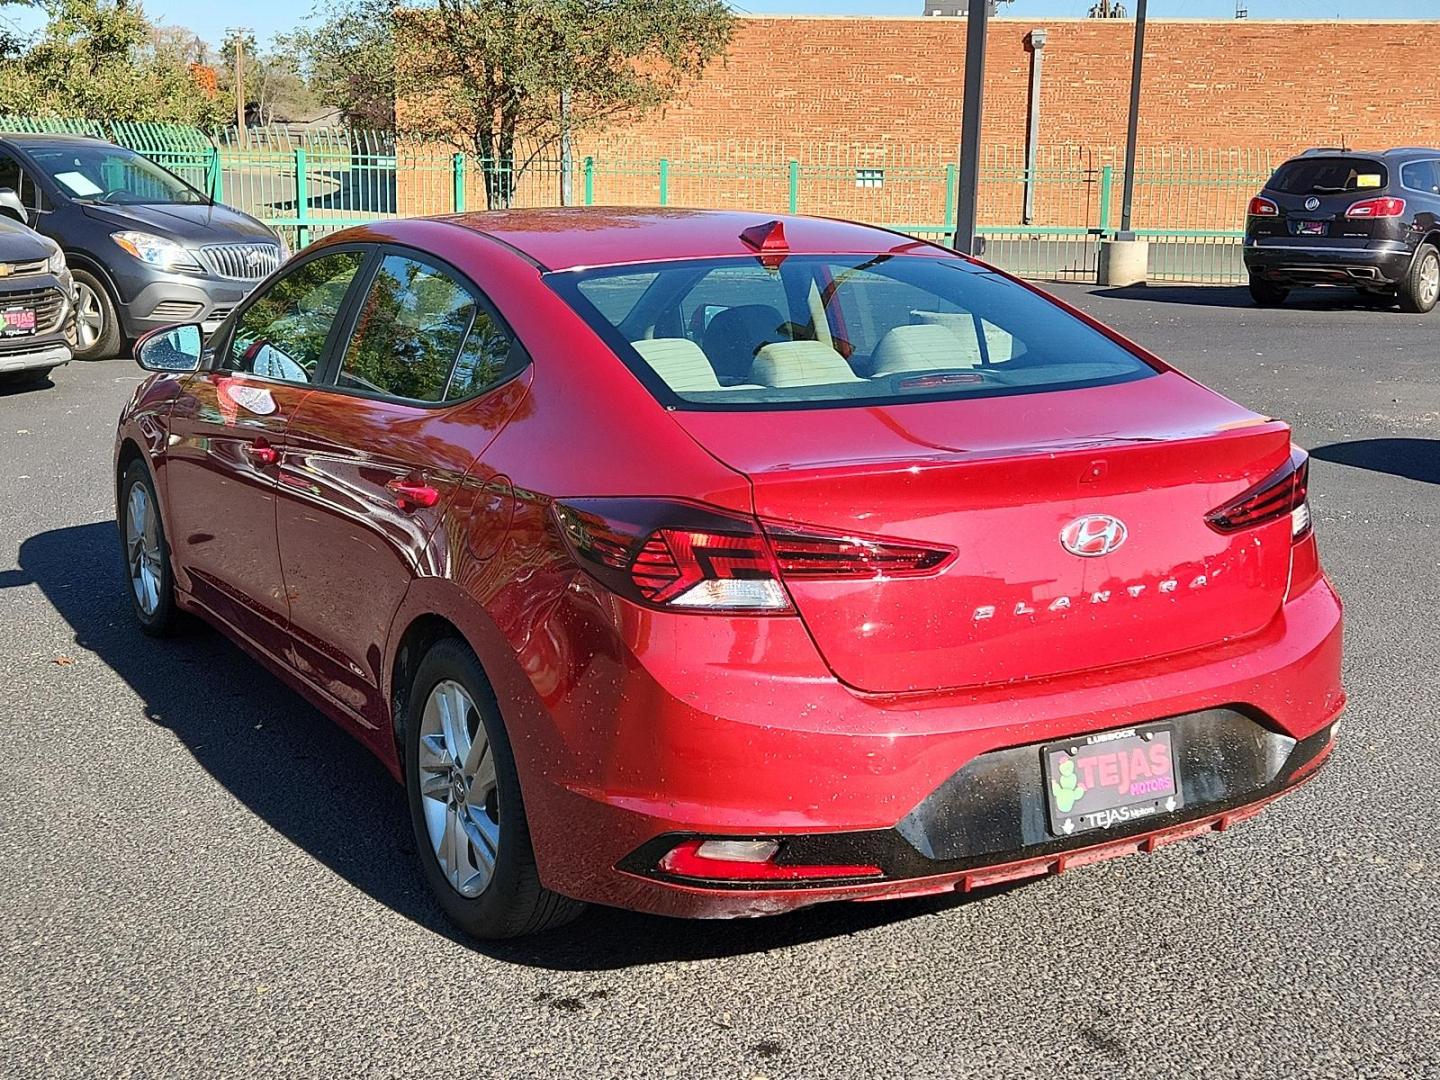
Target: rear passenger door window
{"x": 422, "y": 334}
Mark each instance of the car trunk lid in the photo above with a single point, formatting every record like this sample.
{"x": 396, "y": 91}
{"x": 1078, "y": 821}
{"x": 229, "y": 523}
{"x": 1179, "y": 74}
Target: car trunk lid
{"x": 998, "y": 480}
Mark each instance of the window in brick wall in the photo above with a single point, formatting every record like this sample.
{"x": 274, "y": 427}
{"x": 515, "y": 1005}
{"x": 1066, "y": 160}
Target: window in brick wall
{"x": 869, "y": 178}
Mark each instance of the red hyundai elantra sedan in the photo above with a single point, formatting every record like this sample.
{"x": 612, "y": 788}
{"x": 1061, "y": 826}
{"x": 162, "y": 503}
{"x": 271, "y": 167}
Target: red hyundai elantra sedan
{"x": 714, "y": 566}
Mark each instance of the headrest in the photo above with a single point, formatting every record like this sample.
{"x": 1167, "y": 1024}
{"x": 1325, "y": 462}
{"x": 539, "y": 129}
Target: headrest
{"x": 679, "y": 362}
{"x": 735, "y": 336}
{"x": 800, "y": 363}
{"x": 926, "y": 347}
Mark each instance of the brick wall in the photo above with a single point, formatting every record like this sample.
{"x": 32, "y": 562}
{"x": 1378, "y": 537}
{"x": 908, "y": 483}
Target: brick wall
{"x": 800, "y": 81}
{"x": 1223, "y": 100}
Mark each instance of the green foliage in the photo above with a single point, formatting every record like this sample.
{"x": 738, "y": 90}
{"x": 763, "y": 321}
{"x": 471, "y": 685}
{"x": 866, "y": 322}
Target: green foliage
{"x": 348, "y": 59}
{"x": 498, "y": 78}
{"x": 105, "y": 59}
{"x": 488, "y": 77}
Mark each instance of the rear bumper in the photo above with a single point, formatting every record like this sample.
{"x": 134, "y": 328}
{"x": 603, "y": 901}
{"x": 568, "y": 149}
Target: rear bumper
{"x": 1376, "y": 265}
{"x": 740, "y": 749}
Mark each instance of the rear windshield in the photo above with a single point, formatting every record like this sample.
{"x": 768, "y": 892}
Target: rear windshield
{"x": 735, "y": 333}
{"x": 1329, "y": 176}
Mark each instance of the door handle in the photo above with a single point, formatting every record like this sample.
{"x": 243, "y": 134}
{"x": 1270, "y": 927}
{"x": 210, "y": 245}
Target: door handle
{"x": 261, "y": 452}
{"x": 413, "y": 494}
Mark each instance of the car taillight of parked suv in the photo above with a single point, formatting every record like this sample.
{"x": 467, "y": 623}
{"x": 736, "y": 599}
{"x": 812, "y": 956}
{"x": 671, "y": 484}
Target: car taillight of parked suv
{"x": 1368, "y": 221}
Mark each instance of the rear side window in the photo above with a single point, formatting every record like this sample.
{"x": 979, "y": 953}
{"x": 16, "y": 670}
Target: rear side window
{"x": 408, "y": 333}
{"x": 735, "y": 333}
{"x": 1421, "y": 176}
{"x": 1329, "y": 176}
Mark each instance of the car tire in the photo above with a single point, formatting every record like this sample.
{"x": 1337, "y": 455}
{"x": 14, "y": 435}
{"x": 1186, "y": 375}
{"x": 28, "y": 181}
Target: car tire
{"x": 1267, "y": 293}
{"x": 97, "y": 323}
{"x": 466, "y": 808}
{"x": 146, "y": 554}
{"x": 1420, "y": 290}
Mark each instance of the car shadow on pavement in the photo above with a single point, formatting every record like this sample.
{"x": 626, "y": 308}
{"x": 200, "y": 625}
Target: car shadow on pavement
{"x": 1414, "y": 459}
{"x": 10, "y": 387}
{"x": 305, "y": 778}
{"x": 1227, "y": 296}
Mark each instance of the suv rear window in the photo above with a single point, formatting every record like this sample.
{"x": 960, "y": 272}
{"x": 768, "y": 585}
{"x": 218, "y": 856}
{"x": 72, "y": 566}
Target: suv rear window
{"x": 734, "y": 333}
{"x": 1329, "y": 176}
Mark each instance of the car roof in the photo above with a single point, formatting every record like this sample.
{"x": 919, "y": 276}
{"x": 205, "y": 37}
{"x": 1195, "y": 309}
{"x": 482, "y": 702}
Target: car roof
{"x": 564, "y": 238}
{"x": 1402, "y": 152}
{"x": 30, "y": 139}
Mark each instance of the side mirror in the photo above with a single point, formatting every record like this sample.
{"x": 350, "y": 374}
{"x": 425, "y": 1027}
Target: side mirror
{"x": 171, "y": 348}
{"x": 11, "y": 206}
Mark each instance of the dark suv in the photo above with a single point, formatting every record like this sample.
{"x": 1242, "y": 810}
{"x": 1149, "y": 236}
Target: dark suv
{"x": 146, "y": 248}
{"x": 1370, "y": 221}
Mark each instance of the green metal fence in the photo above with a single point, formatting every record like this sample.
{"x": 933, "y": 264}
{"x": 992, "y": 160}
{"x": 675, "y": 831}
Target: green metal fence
{"x": 1190, "y": 203}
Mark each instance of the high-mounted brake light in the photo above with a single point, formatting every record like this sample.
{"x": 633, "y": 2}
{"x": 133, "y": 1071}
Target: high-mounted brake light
{"x": 690, "y": 558}
{"x": 1263, "y": 207}
{"x": 749, "y": 860}
{"x": 1385, "y": 207}
{"x": 1285, "y": 492}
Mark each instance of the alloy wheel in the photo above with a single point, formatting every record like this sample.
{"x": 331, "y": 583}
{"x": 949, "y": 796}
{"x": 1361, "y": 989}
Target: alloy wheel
{"x": 89, "y": 316}
{"x": 142, "y": 547}
{"x": 1429, "y": 284}
{"x": 458, "y": 789}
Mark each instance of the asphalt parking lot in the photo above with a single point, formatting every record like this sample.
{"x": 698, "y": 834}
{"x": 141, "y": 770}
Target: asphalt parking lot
{"x": 200, "y": 875}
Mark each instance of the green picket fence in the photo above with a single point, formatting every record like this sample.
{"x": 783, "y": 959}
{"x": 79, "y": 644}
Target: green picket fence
{"x": 1190, "y": 203}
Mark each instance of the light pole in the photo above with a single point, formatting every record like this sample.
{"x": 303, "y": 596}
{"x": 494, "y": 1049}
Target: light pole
{"x": 1124, "y": 257}
{"x": 1133, "y": 132}
{"x": 968, "y": 193}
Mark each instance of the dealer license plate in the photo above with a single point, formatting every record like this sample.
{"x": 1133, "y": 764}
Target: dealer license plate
{"x": 17, "y": 320}
{"x": 1111, "y": 778}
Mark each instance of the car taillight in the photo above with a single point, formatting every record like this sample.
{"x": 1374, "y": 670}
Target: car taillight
{"x": 1385, "y": 207}
{"x": 1285, "y": 492}
{"x": 1263, "y": 207}
{"x": 686, "y": 557}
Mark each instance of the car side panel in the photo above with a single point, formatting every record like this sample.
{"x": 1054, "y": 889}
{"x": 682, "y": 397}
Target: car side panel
{"x": 348, "y": 548}
{"x": 221, "y": 497}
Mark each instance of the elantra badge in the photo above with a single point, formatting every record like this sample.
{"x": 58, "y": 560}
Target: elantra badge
{"x": 1093, "y": 535}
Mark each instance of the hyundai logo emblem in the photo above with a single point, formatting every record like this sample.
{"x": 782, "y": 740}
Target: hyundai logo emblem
{"x": 1093, "y": 535}
{"x": 1312, "y": 203}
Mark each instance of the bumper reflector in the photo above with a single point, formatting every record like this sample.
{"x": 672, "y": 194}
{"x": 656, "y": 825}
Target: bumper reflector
{"x": 747, "y": 860}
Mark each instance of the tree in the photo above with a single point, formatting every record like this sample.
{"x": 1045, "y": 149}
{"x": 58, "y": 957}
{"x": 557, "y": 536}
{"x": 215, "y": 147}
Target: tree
{"x": 501, "y": 79}
{"x": 348, "y": 59}
{"x": 102, "y": 59}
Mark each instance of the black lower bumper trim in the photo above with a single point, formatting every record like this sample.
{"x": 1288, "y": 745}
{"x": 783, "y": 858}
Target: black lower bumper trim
{"x": 993, "y": 811}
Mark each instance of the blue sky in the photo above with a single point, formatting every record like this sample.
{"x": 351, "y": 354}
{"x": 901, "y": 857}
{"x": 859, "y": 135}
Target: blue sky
{"x": 267, "y": 17}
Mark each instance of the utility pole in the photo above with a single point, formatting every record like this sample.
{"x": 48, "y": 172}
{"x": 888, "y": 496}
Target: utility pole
{"x": 237, "y": 38}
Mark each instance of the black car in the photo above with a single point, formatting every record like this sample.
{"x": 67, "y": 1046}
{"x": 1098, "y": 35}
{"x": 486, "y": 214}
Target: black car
{"x": 1369, "y": 221}
{"x": 37, "y": 309}
{"x": 146, "y": 248}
